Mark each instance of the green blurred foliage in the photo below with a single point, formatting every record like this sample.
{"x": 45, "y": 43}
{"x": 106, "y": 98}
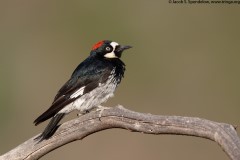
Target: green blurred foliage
{"x": 185, "y": 61}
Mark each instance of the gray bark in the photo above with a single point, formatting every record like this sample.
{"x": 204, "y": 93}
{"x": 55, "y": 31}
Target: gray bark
{"x": 119, "y": 117}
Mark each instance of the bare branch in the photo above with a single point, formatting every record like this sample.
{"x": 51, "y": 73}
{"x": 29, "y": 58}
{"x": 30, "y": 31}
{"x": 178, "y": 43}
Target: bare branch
{"x": 119, "y": 117}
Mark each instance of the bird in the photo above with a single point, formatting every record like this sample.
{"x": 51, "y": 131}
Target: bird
{"x": 92, "y": 82}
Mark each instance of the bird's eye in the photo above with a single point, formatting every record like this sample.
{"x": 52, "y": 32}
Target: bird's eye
{"x": 108, "y": 49}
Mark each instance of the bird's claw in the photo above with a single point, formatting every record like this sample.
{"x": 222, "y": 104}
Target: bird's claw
{"x": 101, "y": 109}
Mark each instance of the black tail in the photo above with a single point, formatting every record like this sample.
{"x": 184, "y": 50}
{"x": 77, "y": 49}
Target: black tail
{"x": 51, "y": 127}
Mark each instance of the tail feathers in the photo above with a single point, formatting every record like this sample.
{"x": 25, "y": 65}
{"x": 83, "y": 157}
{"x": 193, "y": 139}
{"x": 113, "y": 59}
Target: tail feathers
{"x": 51, "y": 127}
{"x": 43, "y": 117}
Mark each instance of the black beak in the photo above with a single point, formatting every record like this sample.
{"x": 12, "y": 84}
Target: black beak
{"x": 121, "y": 48}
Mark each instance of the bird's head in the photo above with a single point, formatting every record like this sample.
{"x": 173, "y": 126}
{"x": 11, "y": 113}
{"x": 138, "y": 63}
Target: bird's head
{"x": 108, "y": 49}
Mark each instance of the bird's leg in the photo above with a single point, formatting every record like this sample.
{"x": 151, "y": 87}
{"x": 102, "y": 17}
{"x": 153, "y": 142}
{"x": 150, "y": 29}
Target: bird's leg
{"x": 79, "y": 114}
{"x": 101, "y": 109}
{"x": 82, "y": 113}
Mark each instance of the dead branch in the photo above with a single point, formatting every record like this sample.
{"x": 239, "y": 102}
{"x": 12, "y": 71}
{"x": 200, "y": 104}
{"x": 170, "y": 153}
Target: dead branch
{"x": 119, "y": 117}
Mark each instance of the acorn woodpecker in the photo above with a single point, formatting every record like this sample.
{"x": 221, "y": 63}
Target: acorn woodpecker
{"x": 92, "y": 83}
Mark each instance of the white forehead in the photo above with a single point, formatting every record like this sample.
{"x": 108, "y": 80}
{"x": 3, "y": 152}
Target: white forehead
{"x": 114, "y": 44}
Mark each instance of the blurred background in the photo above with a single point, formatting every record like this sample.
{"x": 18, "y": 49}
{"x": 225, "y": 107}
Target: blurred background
{"x": 185, "y": 62}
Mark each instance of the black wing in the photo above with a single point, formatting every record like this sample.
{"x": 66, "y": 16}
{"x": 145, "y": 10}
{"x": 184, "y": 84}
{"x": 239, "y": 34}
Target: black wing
{"x": 88, "y": 74}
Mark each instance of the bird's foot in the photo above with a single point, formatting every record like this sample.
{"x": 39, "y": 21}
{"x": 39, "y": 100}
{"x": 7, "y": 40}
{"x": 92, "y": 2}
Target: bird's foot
{"x": 101, "y": 109}
{"x": 82, "y": 113}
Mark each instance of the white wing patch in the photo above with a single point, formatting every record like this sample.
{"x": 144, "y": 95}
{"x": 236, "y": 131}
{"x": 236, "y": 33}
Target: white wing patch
{"x": 79, "y": 92}
{"x": 93, "y": 98}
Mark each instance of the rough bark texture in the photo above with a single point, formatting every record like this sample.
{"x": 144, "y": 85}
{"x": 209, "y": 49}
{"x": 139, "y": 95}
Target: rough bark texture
{"x": 119, "y": 117}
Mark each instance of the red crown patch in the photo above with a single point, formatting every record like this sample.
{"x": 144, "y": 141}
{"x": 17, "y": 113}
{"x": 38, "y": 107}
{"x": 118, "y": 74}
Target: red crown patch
{"x": 97, "y": 45}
